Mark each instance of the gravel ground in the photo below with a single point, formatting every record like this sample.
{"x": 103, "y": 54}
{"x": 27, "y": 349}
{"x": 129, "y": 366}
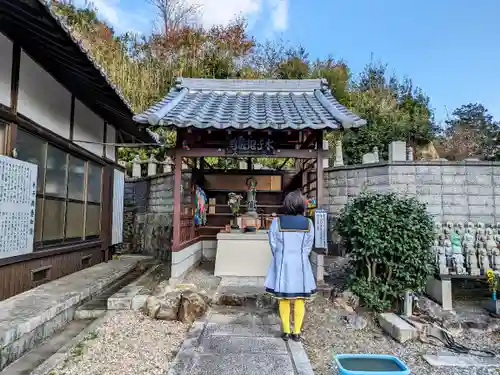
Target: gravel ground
{"x": 130, "y": 343}
{"x": 127, "y": 343}
{"x": 326, "y": 333}
{"x": 203, "y": 277}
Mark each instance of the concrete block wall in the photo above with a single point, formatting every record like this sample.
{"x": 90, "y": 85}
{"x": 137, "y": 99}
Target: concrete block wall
{"x": 161, "y": 194}
{"x": 453, "y": 191}
{"x": 149, "y": 205}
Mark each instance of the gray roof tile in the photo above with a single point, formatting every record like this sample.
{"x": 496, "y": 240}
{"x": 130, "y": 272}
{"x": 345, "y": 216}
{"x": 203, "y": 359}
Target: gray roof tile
{"x": 258, "y": 104}
{"x": 66, "y": 28}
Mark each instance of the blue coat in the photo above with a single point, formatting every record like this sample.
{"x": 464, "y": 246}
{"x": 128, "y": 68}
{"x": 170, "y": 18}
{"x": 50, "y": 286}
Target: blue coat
{"x": 290, "y": 274}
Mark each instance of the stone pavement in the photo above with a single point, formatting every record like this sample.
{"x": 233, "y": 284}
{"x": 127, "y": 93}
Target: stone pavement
{"x": 239, "y": 341}
{"x": 29, "y": 318}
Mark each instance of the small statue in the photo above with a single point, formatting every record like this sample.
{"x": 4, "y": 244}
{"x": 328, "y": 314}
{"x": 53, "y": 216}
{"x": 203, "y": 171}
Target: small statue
{"x": 470, "y": 225}
{"x": 251, "y": 194}
{"x": 448, "y": 249}
{"x": 484, "y": 262}
{"x": 442, "y": 262}
{"x": 490, "y": 242}
{"x": 449, "y": 226}
{"x": 480, "y": 236}
{"x": 438, "y": 228}
{"x": 436, "y": 250}
{"x": 495, "y": 259}
{"x": 460, "y": 229}
{"x": 472, "y": 264}
{"x": 457, "y": 256}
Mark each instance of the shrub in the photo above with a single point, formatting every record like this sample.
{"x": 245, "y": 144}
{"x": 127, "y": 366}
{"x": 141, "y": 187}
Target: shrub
{"x": 389, "y": 239}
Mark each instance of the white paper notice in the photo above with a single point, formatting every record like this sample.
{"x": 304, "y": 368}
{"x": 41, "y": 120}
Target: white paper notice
{"x": 18, "y": 181}
{"x": 320, "y": 229}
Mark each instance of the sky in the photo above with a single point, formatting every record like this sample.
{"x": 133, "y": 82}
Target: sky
{"x": 449, "y": 48}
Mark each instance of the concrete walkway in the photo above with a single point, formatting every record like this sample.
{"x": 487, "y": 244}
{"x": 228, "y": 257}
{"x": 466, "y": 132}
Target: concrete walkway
{"x": 239, "y": 342}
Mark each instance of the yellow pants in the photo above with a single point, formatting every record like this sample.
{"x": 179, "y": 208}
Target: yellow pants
{"x": 298, "y": 314}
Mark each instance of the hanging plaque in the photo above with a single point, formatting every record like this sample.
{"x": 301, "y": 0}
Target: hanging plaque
{"x": 242, "y": 145}
{"x": 18, "y": 181}
{"x": 320, "y": 229}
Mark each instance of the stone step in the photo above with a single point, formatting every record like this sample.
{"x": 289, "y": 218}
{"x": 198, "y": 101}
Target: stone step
{"x": 244, "y": 291}
{"x": 32, "y": 317}
{"x": 38, "y": 355}
{"x": 398, "y": 328}
{"x": 98, "y": 305}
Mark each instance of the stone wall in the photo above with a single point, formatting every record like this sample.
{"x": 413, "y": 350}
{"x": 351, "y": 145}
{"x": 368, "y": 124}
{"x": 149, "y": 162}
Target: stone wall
{"x": 149, "y": 205}
{"x": 453, "y": 191}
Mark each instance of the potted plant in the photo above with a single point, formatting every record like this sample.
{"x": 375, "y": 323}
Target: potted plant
{"x": 234, "y": 202}
{"x": 492, "y": 283}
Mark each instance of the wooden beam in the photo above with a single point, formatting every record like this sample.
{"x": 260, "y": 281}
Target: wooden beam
{"x": 283, "y": 164}
{"x": 10, "y": 136}
{"x": 72, "y": 119}
{"x": 210, "y": 166}
{"x": 190, "y": 163}
{"x": 104, "y": 139}
{"x": 198, "y": 152}
{"x": 308, "y": 141}
{"x": 14, "y": 83}
{"x": 177, "y": 203}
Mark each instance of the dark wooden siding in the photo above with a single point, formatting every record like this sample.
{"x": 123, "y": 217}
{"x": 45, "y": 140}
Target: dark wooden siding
{"x": 17, "y": 278}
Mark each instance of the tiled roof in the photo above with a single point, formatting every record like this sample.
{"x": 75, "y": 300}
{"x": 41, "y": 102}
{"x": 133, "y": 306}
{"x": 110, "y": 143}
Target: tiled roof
{"x": 46, "y": 38}
{"x": 64, "y": 26}
{"x": 258, "y": 104}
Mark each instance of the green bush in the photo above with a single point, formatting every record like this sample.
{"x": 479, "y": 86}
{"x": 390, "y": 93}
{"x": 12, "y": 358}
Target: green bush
{"x": 389, "y": 239}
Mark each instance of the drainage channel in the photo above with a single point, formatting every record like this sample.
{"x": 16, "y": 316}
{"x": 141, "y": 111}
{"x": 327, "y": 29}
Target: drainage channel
{"x": 32, "y": 360}
{"x": 98, "y": 305}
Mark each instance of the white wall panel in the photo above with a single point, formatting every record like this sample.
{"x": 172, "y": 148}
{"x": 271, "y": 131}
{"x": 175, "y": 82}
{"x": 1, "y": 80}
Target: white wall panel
{"x": 5, "y": 69}
{"x": 42, "y": 98}
{"x": 110, "y": 138}
{"x": 88, "y": 127}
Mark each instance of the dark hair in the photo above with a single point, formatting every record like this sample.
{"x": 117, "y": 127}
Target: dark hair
{"x": 294, "y": 203}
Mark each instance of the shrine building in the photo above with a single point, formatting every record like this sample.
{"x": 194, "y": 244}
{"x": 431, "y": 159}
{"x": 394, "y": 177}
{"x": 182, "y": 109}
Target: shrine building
{"x": 244, "y": 120}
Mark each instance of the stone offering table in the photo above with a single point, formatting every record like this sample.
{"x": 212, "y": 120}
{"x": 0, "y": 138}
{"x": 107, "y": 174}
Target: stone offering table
{"x": 243, "y": 254}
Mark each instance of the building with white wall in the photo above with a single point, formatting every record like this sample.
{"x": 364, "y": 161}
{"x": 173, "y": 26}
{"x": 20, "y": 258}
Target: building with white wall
{"x": 59, "y": 112}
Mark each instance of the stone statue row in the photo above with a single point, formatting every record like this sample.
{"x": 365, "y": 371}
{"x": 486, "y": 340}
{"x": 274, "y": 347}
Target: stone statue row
{"x": 470, "y": 249}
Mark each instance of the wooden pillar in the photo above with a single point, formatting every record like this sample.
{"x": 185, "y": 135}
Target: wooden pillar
{"x": 11, "y": 133}
{"x": 320, "y": 203}
{"x": 202, "y": 165}
{"x": 305, "y": 180}
{"x": 107, "y": 210}
{"x": 320, "y": 194}
{"x": 194, "y": 174}
{"x": 176, "y": 222}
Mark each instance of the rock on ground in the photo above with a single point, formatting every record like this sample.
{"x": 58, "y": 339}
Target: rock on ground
{"x": 127, "y": 343}
{"x": 183, "y": 305}
{"x": 326, "y": 332}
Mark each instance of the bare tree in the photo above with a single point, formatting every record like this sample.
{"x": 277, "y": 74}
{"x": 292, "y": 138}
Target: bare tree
{"x": 174, "y": 14}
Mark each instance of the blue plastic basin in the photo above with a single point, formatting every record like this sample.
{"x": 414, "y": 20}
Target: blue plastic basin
{"x": 370, "y": 364}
